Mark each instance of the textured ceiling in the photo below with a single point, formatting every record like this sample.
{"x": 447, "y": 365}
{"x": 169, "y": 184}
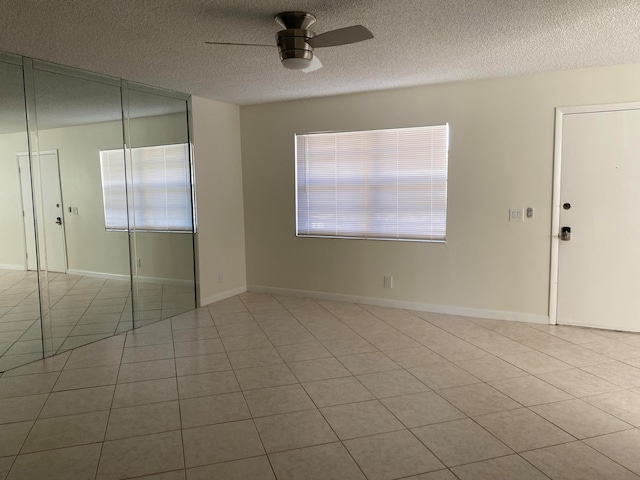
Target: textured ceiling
{"x": 417, "y": 42}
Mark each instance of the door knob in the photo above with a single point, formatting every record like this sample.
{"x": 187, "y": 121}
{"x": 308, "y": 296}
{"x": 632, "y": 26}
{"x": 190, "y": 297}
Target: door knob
{"x": 565, "y": 234}
{"x": 59, "y": 220}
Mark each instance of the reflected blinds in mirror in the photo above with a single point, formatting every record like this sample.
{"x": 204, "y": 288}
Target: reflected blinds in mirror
{"x": 160, "y": 186}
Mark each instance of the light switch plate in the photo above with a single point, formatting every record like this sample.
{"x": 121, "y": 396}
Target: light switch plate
{"x": 516, "y": 214}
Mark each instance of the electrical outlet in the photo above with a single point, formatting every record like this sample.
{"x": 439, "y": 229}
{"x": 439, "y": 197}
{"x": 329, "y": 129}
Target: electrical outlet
{"x": 220, "y": 277}
{"x": 388, "y": 281}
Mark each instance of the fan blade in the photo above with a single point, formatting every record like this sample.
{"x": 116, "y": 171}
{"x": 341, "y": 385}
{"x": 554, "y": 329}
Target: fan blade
{"x": 315, "y": 64}
{"x": 241, "y": 44}
{"x": 341, "y": 36}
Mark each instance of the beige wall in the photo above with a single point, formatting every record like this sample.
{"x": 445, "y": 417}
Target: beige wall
{"x": 501, "y": 157}
{"x": 221, "y": 240}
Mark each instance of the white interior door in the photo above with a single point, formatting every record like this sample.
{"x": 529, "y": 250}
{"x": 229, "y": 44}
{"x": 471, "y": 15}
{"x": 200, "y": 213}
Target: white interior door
{"x": 599, "y": 267}
{"x": 52, "y": 215}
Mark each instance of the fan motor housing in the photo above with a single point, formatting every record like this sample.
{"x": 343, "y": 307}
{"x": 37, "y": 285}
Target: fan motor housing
{"x": 295, "y": 51}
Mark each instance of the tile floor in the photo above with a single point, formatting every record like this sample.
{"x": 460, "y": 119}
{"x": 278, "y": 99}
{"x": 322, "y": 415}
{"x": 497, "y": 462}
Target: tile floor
{"x": 84, "y": 309}
{"x": 263, "y": 387}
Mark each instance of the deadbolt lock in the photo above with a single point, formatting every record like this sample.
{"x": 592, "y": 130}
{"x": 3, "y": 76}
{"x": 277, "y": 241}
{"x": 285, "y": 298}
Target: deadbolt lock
{"x": 565, "y": 234}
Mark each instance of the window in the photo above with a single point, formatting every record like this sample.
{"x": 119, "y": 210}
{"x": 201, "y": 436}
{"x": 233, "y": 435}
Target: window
{"x": 161, "y": 188}
{"x": 379, "y": 184}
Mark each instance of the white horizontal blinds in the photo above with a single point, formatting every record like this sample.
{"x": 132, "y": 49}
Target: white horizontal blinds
{"x": 161, "y": 189}
{"x": 373, "y": 184}
{"x": 114, "y": 191}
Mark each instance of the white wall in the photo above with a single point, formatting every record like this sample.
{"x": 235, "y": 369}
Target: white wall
{"x": 221, "y": 239}
{"x": 12, "y": 245}
{"x": 501, "y": 157}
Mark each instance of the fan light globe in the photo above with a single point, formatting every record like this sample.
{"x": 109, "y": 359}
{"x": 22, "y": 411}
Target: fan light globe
{"x": 296, "y": 63}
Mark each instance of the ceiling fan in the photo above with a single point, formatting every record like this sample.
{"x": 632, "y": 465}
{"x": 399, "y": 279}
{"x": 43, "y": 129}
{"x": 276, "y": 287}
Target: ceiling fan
{"x": 296, "y": 43}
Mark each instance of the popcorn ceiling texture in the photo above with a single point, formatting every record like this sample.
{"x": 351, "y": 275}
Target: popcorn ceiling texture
{"x": 417, "y": 42}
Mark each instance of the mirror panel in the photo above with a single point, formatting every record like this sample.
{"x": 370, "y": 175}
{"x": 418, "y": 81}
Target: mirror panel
{"x": 87, "y": 292}
{"x": 160, "y": 208}
{"x": 20, "y": 328}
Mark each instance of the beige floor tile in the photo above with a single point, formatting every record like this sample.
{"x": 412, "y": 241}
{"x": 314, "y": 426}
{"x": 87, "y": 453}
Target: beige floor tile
{"x": 143, "y": 420}
{"x": 623, "y": 404}
{"x": 275, "y": 400}
{"x": 577, "y": 356}
{"x": 580, "y": 419}
{"x": 318, "y": 369}
{"x": 535, "y": 362}
{"x": 221, "y": 443}
{"x": 340, "y": 346}
{"x": 368, "y": 363}
{"x": 19, "y": 409}
{"x": 490, "y": 368}
{"x": 67, "y": 431}
{"x": 246, "y": 342}
{"x": 478, "y": 399}
{"x": 294, "y": 430}
{"x": 137, "y": 456}
{"x": 263, "y": 377}
{"x": 175, "y": 475}
{"x": 621, "y": 447}
{"x": 576, "y": 461}
{"x": 256, "y": 468}
{"x": 135, "y": 372}
{"x": 190, "y": 334}
{"x": 254, "y": 358}
{"x": 454, "y": 349}
{"x": 499, "y": 344}
{"x": 147, "y": 353}
{"x": 149, "y": 391}
{"x": 27, "y": 384}
{"x": 205, "y": 384}
{"x": 12, "y": 436}
{"x": 198, "y": 347}
{"x": 5, "y": 466}
{"x": 360, "y": 419}
{"x": 337, "y": 391}
{"x": 443, "y": 375}
{"x": 86, "y": 377}
{"x": 438, "y": 475}
{"x": 236, "y": 329}
{"x": 578, "y": 383}
{"x": 86, "y": 357}
{"x": 301, "y": 352}
{"x": 216, "y": 362}
{"x": 530, "y": 390}
{"x": 415, "y": 357}
{"x": 213, "y": 409}
{"x": 84, "y": 400}
{"x": 523, "y": 430}
{"x": 422, "y": 409}
{"x": 392, "y": 383}
{"x": 614, "y": 349}
{"x": 392, "y": 455}
{"x": 322, "y": 462}
{"x": 461, "y": 441}
{"x": 77, "y": 463}
{"x": 618, "y": 373}
{"x": 511, "y": 467}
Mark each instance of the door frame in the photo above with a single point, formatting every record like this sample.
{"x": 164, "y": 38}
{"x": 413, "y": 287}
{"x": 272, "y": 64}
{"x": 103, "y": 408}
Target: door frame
{"x": 24, "y": 232}
{"x": 557, "y": 183}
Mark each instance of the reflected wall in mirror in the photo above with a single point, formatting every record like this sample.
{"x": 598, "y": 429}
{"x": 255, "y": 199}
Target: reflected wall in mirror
{"x": 160, "y": 207}
{"x": 20, "y": 328}
{"x": 97, "y": 237}
{"x": 89, "y": 282}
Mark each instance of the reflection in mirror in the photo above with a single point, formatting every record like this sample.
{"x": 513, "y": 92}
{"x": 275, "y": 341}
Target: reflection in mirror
{"x": 160, "y": 205}
{"x": 20, "y": 328}
{"x": 88, "y": 288}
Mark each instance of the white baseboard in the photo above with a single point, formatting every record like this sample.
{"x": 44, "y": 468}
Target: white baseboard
{"x": 6, "y": 266}
{"x": 118, "y": 276}
{"x": 216, "y": 297}
{"x": 418, "y": 306}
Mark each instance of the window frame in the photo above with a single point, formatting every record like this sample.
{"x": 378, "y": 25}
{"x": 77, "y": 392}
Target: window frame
{"x": 352, "y": 237}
